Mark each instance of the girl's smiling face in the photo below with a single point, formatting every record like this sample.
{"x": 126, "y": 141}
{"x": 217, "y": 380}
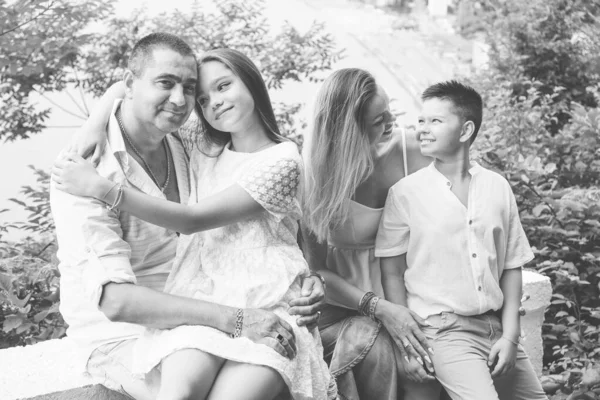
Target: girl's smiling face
{"x": 226, "y": 102}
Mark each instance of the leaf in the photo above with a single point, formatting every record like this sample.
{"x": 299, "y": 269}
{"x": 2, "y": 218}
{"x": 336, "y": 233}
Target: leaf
{"x": 6, "y": 282}
{"x": 537, "y": 210}
{"x": 12, "y": 322}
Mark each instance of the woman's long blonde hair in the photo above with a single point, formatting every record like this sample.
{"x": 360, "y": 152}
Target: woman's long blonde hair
{"x": 337, "y": 152}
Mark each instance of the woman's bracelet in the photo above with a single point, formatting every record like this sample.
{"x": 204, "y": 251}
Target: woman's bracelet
{"x": 318, "y": 275}
{"x": 363, "y": 304}
{"x": 372, "y": 307}
{"x": 117, "y": 199}
{"x": 103, "y": 198}
{"x": 239, "y": 323}
{"x": 512, "y": 341}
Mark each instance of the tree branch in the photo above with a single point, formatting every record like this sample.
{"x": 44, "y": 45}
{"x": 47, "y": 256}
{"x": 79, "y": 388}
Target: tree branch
{"x": 58, "y": 105}
{"x": 29, "y": 20}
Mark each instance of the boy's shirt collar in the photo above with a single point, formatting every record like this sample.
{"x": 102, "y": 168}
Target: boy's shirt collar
{"x": 474, "y": 170}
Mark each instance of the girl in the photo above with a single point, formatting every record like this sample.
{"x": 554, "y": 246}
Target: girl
{"x": 239, "y": 249}
{"x": 352, "y": 157}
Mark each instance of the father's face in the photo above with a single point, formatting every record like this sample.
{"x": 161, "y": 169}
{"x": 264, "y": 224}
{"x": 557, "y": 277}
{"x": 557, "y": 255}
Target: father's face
{"x": 164, "y": 96}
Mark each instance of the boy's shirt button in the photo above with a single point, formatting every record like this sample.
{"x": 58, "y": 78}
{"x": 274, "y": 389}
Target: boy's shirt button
{"x": 448, "y": 184}
{"x": 479, "y": 288}
{"x": 470, "y": 222}
{"x": 474, "y": 255}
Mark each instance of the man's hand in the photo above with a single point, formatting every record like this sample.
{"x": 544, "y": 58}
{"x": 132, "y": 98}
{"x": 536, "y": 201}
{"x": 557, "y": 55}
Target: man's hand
{"x": 504, "y": 355}
{"x": 311, "y": 303}
{"x": 266, "y": 327}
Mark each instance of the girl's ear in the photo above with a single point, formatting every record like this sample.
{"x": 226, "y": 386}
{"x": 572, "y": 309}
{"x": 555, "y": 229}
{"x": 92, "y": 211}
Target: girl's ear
{"x": 468, "y": 129}
{"x": 128, "y": 78}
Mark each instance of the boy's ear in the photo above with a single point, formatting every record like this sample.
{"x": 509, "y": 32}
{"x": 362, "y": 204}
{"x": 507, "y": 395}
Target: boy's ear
{"x": 128, "y": 78}
{"x": 468, "y": 129}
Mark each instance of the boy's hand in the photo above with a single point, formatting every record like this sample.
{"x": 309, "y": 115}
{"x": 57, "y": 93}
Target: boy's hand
{"x": 503, "y": 355}
{"x": 413, "y": 371}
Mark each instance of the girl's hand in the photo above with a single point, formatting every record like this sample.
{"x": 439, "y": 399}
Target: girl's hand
{"x": 89, "y": 145}
{"x": 74, "y": 175}
{"x": 504, "y": 355}
{"x": 310, "y": 305}
{"x": 404, "y": 327}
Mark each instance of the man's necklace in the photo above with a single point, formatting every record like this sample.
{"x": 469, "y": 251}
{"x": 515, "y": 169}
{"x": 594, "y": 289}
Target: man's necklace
{"x": 135, "y": 150}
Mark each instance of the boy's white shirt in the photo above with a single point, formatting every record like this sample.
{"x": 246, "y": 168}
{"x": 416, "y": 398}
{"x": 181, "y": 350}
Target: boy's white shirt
{"x": 455, "y": 255}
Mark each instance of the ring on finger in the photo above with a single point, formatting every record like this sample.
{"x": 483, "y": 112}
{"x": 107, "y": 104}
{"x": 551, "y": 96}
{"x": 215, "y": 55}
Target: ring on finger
{"x": 407, "y": 345}
{"x": 281, "y": 340}
{"x": 318, "y": 315}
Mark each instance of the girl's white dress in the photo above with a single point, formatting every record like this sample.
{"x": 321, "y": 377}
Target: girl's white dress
{"x": 255, "y": 263}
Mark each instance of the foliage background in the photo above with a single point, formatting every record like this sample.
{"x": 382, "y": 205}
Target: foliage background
{"x": 541, "y": 130}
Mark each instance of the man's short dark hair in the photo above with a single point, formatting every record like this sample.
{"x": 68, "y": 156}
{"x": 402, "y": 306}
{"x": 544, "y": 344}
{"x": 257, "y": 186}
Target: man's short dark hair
{"x": 466, "y": 100}
{"x": 141, "y": 55}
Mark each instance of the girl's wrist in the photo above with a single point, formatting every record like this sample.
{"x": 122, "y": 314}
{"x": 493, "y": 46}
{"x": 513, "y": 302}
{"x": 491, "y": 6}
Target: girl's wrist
{"x": 100, "y": 188}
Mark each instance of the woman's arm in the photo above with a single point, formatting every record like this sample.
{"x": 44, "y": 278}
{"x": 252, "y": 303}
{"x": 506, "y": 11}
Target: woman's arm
{"x": 338, "y": 289}
{"x": 90, "y": 139}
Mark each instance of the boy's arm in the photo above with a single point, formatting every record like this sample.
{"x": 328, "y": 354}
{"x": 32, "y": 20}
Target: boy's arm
{"x": 392, "y": 279}
{"x": 505, "y": 349}
{"x": 511, "y": 286}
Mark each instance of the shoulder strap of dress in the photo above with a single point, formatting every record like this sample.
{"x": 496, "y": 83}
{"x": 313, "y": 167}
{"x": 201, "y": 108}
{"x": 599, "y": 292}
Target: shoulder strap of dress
{"x": 404, "y": 152}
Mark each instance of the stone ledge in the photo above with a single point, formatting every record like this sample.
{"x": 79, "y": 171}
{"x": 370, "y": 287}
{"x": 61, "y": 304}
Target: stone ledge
{"x": 47, "y": 370}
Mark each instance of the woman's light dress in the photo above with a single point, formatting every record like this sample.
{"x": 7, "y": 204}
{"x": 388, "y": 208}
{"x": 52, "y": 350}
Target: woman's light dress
{"x": 255, "y": 263}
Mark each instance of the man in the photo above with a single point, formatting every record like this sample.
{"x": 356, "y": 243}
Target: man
{"x": 113, "y": 265}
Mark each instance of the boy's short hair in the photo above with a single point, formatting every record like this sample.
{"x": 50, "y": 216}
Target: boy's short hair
{"x": 141, "y": 55}
{"x": 466, "y": 100}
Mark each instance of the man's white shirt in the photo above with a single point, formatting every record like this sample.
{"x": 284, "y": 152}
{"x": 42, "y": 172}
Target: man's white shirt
{"x": 97, "y": 246}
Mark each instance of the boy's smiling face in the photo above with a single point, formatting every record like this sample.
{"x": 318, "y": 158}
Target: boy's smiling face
{"x": 440, "y": 128}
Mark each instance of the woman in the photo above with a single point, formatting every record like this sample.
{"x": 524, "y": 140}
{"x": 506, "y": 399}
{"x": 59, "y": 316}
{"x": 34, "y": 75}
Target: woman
{"x": 352, "y": 157}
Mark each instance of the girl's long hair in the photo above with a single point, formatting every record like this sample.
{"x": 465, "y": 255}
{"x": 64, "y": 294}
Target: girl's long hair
{"x": 247, "y": 71}
{"x": 337, "y": 152}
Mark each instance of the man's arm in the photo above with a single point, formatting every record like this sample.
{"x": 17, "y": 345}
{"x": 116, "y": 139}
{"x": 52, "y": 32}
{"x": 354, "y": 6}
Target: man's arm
{"x": 90, "y": 237}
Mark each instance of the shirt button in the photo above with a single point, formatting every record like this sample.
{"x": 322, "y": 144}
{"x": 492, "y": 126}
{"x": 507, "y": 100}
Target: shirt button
{"x": 479, "y": 288}
{"x": 470, "y": 221}
{"x": 448, "y": 184}
{"x": 474, "y": 255}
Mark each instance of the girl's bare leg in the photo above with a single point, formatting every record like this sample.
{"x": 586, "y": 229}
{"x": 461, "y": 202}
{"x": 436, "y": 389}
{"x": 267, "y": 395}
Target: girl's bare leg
{"x": 238, "y": 381}
{"x": 188, "y": 374}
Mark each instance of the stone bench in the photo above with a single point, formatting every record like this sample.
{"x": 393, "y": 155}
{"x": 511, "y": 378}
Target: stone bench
{"x": 46, "y": 371}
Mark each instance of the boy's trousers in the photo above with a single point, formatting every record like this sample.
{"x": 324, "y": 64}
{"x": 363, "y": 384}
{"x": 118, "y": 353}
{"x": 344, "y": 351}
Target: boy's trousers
{"x": 461, "y": 348}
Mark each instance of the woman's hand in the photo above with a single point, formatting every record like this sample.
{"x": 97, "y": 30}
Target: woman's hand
{"x": 412, "y": 370}
{"x": 310, "y": 305}
{"x": 267, "y": 328}
{"x": 74, "y": 175}
{"x": 404, "y": 327}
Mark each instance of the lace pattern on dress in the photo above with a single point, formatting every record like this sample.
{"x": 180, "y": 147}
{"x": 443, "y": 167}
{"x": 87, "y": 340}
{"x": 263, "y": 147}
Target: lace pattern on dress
{"x": 274, "y": 185}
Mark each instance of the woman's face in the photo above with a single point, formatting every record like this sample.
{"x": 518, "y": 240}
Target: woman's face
{"x": 226, "y": 102}
{"x": 378, "y": 117}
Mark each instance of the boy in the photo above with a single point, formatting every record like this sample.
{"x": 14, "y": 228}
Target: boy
{"x": 452, "y": 248}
